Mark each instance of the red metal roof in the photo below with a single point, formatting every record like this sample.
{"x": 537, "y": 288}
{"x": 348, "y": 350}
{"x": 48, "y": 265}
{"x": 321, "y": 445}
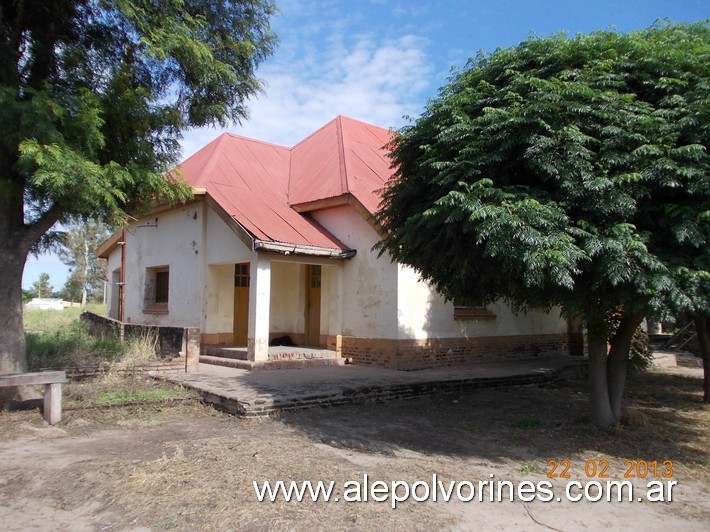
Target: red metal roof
{"x": 344, "y": 156}
{"x": 256, "y": 182}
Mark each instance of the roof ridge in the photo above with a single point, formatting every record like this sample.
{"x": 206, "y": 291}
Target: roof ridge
{"x": 213, "y": 156}
{"x": 341, "y": 154}
{"x": 252, "y": 139}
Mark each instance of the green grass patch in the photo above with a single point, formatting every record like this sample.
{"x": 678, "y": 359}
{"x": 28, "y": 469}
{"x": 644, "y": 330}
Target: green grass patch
{"x": 123, "y": 397}
{"x": 69, "y": 346}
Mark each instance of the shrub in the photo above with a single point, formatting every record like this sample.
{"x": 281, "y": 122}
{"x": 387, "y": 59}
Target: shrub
{"x": 640, "y": 352}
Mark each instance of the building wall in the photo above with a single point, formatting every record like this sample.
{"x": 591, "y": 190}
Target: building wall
{"x": 223, "y": 245}
{"x": 223, "y": 250}
{"x": 386, "y": 300}
{"x": 369, "y": 306}
{"x": 391, "y": 318}
{"x": 173, "y": 239}
{"x": 287, "y": 311}
{"x": 113, "y": 267}
{"x": 219, "y": 310}
{"x": 424, "y": 314}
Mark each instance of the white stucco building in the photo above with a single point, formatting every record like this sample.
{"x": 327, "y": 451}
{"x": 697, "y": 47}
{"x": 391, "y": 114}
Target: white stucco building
{"x": 278, "y": 241}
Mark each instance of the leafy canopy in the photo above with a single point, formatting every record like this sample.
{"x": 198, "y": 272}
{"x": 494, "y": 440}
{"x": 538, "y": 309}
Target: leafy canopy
{"x": 562, "y": 171}
{"x": 94, "y": 95}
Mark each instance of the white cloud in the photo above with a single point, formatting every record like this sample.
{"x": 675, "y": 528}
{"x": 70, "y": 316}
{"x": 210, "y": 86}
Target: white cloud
{"x": 377, "y": 82}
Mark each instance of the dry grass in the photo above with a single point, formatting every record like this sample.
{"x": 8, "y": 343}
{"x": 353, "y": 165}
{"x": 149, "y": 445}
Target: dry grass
{"x": 139, "y": 352}
{"x": 184, "y": 466}
{"x": 37, "y": 321}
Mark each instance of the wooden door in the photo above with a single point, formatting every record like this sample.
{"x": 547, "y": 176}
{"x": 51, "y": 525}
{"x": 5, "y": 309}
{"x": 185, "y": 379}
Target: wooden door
{"x": 313, "y": 281}
{"x": 241, "y": 303}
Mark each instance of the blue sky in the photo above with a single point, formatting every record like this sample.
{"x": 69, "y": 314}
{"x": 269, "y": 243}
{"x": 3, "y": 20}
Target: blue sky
{"x": 380, "y": 60}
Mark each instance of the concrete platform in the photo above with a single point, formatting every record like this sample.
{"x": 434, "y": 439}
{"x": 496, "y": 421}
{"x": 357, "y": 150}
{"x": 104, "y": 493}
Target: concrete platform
{"x": 279, "y": 357}
{"x": 259, "y": 393}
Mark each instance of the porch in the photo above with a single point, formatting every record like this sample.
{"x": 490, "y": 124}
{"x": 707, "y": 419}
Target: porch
{"x": 282, "y": 311}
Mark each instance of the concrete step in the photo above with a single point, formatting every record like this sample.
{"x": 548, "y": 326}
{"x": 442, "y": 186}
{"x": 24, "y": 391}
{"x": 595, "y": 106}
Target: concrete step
{"x": 237, "y": 353}
{"x": 251, "y": 365}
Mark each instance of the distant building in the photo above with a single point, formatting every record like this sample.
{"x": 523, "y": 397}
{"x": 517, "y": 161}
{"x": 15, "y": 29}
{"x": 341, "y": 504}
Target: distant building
{"x": 45, "y": 303}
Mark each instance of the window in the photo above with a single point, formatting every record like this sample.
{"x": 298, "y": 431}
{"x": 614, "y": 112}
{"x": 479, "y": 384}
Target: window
{"x": 241, "y": 275}
{"x": 162, "y": 286}
{"x": 157, "y": 290}
{"x": 472, "y": 312}
{"x": 315, "y": 276}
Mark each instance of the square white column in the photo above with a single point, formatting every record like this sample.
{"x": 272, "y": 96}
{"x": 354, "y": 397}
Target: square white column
{"x": 259, "y": 306}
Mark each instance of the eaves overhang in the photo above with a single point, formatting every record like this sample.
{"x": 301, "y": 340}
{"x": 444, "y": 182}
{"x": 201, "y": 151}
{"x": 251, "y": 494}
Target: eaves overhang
{"x": 284, "y": 248}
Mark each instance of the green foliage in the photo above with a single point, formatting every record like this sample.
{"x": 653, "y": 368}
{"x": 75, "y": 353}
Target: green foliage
{"x": 567, "y": 172}
{"x": 41, "y": 287}
{"x": 94, "y": 97}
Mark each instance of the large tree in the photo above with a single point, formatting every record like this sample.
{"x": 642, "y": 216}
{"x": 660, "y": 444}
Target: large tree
{"x": 76, "y": 249}
{"x": 94, "y": 95}
{"x": 564, "y": 172}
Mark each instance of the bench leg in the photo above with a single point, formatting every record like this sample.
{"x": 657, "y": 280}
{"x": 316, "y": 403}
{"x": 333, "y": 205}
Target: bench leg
{"x": 53, "y": 403}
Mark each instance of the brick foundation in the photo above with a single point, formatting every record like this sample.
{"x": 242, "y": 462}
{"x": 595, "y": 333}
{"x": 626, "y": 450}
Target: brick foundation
{"x": 435, "y": 352}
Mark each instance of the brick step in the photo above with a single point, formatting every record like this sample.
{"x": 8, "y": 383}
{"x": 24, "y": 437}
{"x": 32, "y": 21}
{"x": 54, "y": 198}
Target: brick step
{"x": 270, "y": 364}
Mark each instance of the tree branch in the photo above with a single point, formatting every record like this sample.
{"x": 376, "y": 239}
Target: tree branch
{"x": 34, "y": 231}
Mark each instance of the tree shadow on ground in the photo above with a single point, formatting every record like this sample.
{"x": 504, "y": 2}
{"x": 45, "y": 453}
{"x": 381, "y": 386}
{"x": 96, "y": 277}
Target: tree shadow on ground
{"x": 664, "y": 420}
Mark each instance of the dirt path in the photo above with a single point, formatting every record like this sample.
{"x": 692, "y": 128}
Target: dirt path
{"x": 187, "y": 467}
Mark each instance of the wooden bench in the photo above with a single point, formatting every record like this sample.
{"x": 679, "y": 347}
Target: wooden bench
{"x": 52, "y": 381}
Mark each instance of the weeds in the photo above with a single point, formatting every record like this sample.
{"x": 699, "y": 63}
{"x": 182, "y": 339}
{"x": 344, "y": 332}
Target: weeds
{"x": 138, "y": 352}
{"x": 70, "y": 346}
{"x": 60, "y": 340}
{"x": 124, "y": 397}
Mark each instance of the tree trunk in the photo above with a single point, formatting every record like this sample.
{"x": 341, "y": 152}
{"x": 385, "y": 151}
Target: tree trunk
{"x": 85, "y": 276}
{"x": 618, "y": 359}
{"x": 16, "y": 240}
{"x": 602, "y": 414}
{"x": 12, "y": 333}
{"x": 702, "y": 326}
{"x": 12, "y": 336}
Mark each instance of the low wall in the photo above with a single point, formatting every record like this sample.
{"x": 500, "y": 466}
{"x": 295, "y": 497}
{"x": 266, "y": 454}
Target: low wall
{"x": 178, "y": 346}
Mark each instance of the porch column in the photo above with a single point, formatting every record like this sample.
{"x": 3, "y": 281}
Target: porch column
{"x": 340, "y": 269}
{"x": 259, "y": 303}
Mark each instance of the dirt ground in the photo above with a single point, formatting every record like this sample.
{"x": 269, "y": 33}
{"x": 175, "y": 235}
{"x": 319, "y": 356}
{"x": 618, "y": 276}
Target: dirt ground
{"x": 177, "y": 464}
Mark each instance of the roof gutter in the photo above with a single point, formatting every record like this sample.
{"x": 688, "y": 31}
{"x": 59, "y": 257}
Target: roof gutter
{"x": 288, "y": 249}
